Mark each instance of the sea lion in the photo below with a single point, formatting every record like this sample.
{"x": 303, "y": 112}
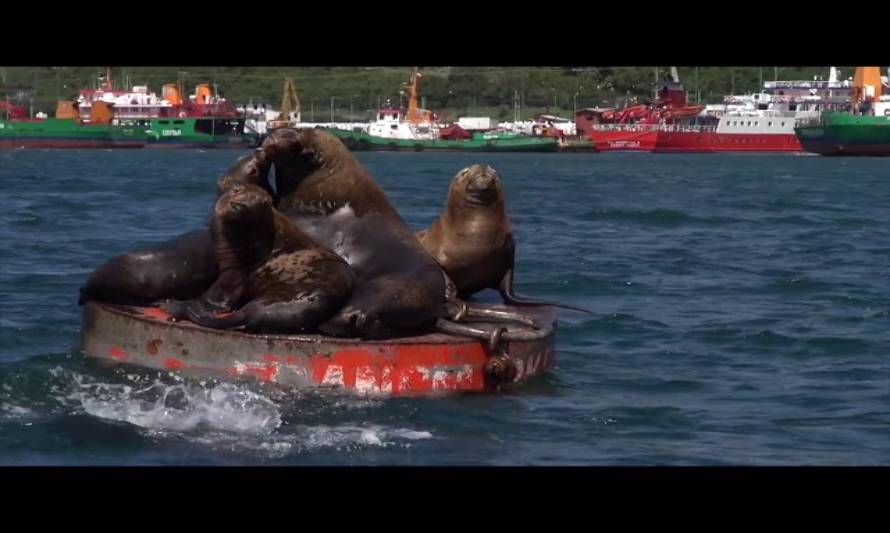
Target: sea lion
{"x": 473, "y": 242}
{"x": 274, "y": 277}
{"x": 322, "y": 187}
{"x": 252, "y": 168}
{"x": 181, "y": 268}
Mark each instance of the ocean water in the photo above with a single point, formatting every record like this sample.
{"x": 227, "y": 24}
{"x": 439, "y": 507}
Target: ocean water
{"x": 742, "y": 318}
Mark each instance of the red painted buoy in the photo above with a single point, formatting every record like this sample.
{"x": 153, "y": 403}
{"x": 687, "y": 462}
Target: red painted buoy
{"x": 412, "y": 365}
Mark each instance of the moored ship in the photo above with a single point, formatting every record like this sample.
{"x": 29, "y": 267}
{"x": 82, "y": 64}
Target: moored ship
{"x": 416, "y": 129}
{"x": 864, "y": 130}
{"x": 763, "y": 122}
{"x": 66, "y": 130}
{"x": 107, "y": 117}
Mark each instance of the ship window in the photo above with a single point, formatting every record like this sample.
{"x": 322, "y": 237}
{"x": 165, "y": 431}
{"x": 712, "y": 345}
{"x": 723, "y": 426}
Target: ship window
{"x": 163, "y": 122}
{"x": 769, "y": 123}
{"x": 179, "y": 122}
{"x": 783, "y": 123}
{"x": 394, "y": 127}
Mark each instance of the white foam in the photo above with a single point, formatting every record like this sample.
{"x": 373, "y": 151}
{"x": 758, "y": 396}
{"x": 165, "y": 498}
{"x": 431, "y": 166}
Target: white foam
{"x": 15, "y": 411}
{"x": 180, "y": 407}
{"x": 230, "y": 416}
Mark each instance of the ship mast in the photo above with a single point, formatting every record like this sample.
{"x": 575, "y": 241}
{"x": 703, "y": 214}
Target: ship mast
{"x": 109, "y": 83}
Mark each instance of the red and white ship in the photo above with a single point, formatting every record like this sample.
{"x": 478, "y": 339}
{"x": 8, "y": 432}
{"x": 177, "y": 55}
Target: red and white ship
{"x": 762, "y": 122}
{"x": 138, "y": 102}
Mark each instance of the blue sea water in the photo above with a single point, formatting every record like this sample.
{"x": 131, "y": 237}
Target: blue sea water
{"x": 742, "y": 318}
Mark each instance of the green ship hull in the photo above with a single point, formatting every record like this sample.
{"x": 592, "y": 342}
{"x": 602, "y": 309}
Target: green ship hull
{"x": 360, "y": 141}
{"x": 838, "y": 133}
{"x": 189, "y": 132}
{"x": 66, "y": 133}
{"x": 194, "y": 132}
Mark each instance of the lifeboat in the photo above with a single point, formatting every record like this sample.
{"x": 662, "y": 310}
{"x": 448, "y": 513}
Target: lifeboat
{"x": 418, "y": 365}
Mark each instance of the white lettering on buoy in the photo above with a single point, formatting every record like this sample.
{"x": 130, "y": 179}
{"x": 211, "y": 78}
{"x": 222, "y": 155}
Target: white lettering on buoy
{"x": 365, "y": 381}
{"x": 333, "y": 375}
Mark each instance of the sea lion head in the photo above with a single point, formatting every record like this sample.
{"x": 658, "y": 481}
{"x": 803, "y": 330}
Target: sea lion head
{"x": 477, "y": 185}
{"x": 244, "y": 203}
{"x": 252, "y": 169}
{"x": 303, "y": 148}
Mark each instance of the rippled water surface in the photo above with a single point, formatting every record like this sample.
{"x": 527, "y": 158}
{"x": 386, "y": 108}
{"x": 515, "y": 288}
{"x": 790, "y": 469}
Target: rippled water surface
{"x": 743, "y": 317}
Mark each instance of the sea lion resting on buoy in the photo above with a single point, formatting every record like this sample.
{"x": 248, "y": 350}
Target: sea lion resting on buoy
{"x": 326, "y": 192}
{"x": 181, "y": 268}
{"x": 473, "y": 241}
{"x": 274, "y": 277}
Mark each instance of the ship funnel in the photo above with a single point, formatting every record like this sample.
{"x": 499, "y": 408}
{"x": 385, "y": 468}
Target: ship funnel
{"x": 171, "y": 93}
{"x": 203, "y": 93}
{"x": 866, "y": 84}
{"x": 101, "y": 112}
{"x": 66, "y": 109}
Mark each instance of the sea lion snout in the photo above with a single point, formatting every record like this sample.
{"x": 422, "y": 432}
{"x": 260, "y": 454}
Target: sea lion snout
{"x": 482, "y": 184}
{"x": 283, "y": 140}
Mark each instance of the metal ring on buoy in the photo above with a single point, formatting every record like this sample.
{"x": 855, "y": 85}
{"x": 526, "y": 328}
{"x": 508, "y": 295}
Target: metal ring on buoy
{"x": 523, "y": 334}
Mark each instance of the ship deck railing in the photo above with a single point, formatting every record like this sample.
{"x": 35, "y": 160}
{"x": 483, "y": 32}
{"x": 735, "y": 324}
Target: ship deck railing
{"x": 669, "y": 128}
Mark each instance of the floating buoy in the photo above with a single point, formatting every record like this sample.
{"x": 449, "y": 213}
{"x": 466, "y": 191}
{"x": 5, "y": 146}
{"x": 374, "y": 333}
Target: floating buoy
{"x": 402, "y": 366}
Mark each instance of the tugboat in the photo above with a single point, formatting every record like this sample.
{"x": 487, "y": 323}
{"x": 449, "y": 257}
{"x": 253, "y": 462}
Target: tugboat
{"x": 416, "y": 129}
{"x": 863, "y": 131}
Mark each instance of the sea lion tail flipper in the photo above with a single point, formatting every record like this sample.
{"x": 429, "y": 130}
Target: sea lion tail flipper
{"x": 461, "y": 311}
{"x": 506, "y": 290}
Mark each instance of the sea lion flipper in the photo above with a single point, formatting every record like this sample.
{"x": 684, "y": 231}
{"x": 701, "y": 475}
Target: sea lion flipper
{"x": 191, "y": 309}
{"x": 233, "y": 320}
{"x": 506, "y": 290}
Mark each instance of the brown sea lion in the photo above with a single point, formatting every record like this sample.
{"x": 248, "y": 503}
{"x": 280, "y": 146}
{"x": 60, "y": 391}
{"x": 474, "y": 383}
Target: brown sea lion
{"x": 252, "y": 168}
{"x": 181, "y": 268}
{"x": 399, "y": 288}
{"x": 274, "y": 277}
{"x": 473, "y": 242}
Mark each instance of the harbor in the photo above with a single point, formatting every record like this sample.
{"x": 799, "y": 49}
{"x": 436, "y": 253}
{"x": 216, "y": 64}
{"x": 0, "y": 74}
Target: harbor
{"x": 778, "y": 118}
